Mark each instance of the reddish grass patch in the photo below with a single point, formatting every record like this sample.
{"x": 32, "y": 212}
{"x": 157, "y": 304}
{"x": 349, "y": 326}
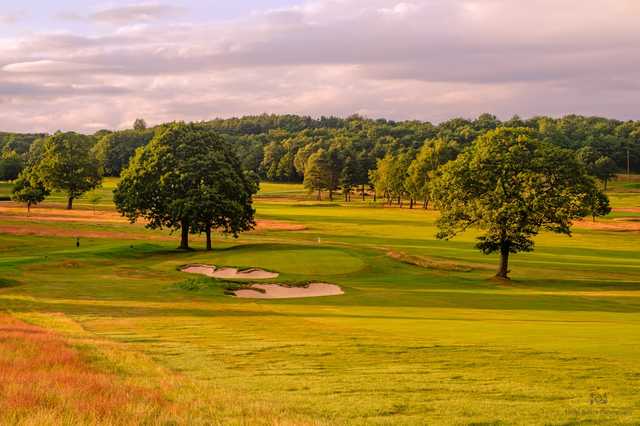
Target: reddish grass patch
{"x": 272, "y": 225}
{"x": 61, "y": 215}
{"x": 37, "y": 223}
{"x": 616, "y": 226}
{"x": 42, "y": 378}
{"x": 627, "y": 210}
{"x": 48, "y": 231}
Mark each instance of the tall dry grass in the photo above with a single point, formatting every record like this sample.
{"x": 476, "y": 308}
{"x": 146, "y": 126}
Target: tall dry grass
{"x": 43, "y": 380}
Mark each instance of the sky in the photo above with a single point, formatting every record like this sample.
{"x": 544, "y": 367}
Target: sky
{"x": 85, "y": 65}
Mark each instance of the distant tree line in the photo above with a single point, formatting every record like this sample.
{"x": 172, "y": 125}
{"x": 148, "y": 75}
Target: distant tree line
{"x": 386, "y": 158}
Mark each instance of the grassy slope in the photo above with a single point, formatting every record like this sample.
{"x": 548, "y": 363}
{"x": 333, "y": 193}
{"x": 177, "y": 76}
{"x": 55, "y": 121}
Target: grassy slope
{"x": 405, "y": 345}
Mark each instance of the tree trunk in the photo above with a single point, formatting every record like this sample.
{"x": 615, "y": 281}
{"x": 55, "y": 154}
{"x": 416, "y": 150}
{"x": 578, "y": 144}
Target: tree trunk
{"x": 426, "y": 203}
{"x": 411, "y": 203}
{"x": 503, "y": 271}
{"x": 208, "y": 232}
{"x": 363, "y": 196}
{"x": 70, "y": 203}
{"x": 606, "y": 181}
{"x": 184, "y": 240}
{"x": 28, "y": 208}
{"x": 331, "y": 195}
{"x": 319, "y": 194}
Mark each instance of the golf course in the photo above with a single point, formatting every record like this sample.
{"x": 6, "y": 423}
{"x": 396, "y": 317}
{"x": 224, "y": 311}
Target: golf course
{"x": 95, "y": 313}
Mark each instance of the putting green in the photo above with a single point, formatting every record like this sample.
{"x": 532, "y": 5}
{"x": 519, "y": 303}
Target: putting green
{"x": 304, "y": 260}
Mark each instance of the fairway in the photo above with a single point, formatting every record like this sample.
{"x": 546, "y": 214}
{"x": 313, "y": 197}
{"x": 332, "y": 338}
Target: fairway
{"x": 405, "y": 344}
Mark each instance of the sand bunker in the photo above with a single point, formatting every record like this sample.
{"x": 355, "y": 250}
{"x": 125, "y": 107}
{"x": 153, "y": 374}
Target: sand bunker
{"x": 274, "y": 291}
{"x": 230, "y": 273}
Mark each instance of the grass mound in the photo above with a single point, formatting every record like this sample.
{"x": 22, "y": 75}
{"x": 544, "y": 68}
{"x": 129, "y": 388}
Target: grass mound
{"x": 425, "y": 262}
{"x": 227, "y": 287}
{"x": 206, "y": 284}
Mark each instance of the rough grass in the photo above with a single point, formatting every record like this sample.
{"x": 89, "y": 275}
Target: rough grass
{"x": 405, "y": 344}
{"x": 44, "y": 380}
{"x": 429, "y": 263}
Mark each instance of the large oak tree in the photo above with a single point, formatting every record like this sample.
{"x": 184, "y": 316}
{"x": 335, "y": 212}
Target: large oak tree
{"x": 512, "y": 186}
{"x": 187, "y": 178}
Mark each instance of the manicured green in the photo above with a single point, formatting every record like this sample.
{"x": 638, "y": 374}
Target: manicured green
{"x": 404, "y": 345}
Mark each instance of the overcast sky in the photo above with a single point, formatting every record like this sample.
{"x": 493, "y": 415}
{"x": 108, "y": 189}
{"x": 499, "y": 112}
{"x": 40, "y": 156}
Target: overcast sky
{"x": 85, "y": 65}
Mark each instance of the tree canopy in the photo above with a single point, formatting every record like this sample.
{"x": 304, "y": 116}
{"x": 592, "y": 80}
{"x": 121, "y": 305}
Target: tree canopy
{"x": 511, "y": 186}
{"x": 66, "y": 163}
{"x": 115, "y": 149}
{"x": 188, "y": 178}
{"x": 29, "y": 190}
{"x": 11, "y": 164}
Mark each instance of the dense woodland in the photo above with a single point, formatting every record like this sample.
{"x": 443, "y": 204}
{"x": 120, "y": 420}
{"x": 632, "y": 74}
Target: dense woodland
{"x": 356, "y": 154}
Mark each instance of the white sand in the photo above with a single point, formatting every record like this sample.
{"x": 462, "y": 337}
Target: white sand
{"x": 274, "y": 291}
{"x": 248, "y": 274}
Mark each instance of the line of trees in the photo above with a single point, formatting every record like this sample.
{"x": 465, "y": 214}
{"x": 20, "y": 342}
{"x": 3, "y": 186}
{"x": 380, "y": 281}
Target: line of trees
{"x": 278, "y": 147}
{"x": 395, "y": 161}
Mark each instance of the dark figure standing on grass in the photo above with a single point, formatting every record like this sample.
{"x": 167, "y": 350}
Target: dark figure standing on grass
{"x": 78, "y": 242}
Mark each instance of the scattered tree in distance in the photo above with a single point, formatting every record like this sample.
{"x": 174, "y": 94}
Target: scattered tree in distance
{"x": 29, "y": 190}
{"x": 67, "y": 164}
{"x": 511, "y": 186}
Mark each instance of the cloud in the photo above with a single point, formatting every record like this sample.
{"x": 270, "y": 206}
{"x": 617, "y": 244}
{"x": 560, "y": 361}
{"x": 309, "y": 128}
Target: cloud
{"x": 11, "y": 18}
{"x": 400, "y": 9}
{"x": 428, "y": 59}
{"x": 52, "y": 90}
{"x": 46, "y": 66}
{"x": 136, "y": 13}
